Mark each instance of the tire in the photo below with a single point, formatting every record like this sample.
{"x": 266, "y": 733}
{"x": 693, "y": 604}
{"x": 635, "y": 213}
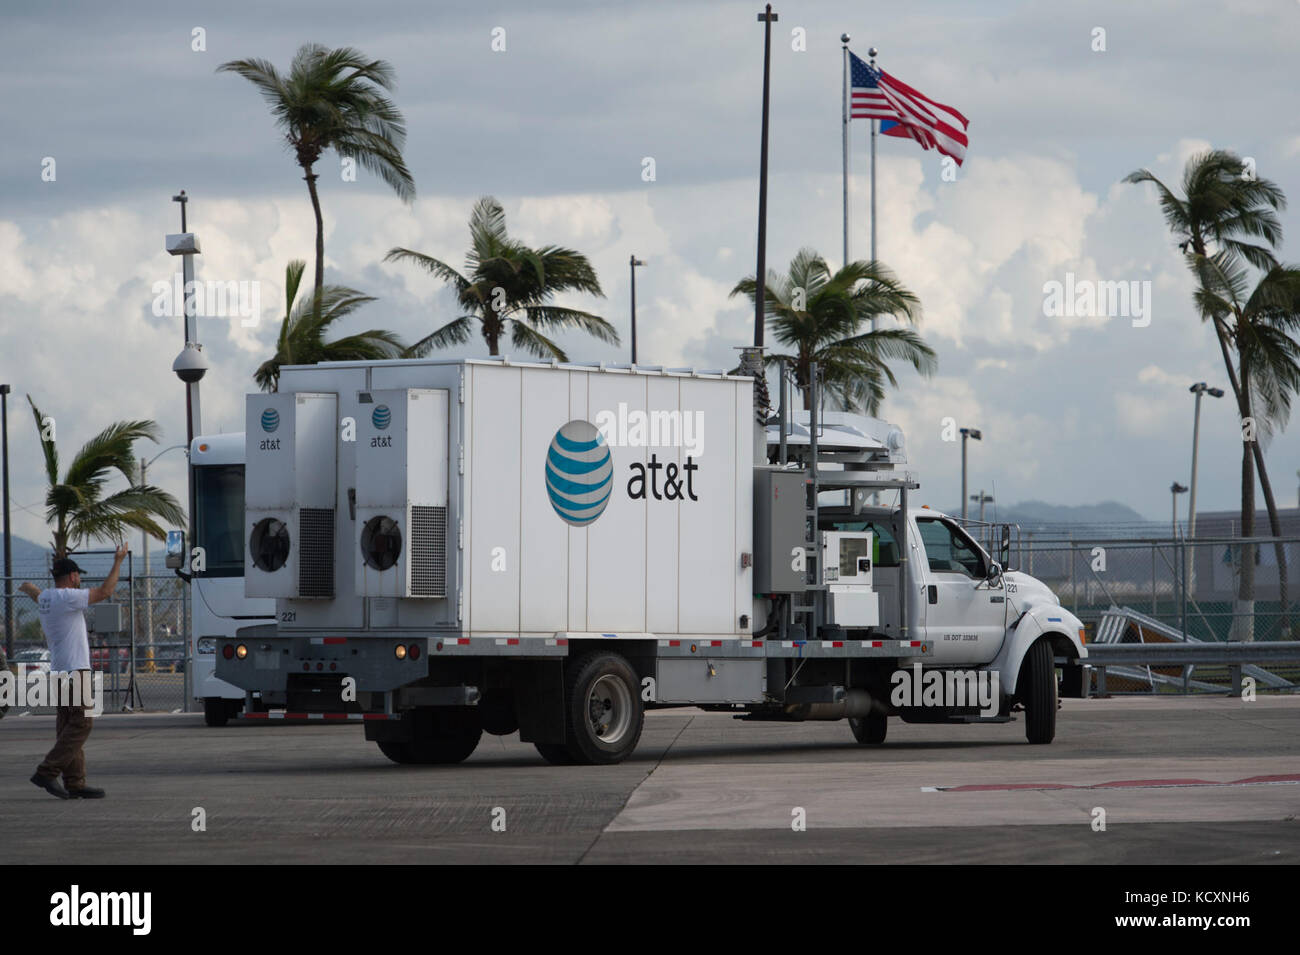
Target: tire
{"x": 1039, "y": 696}
{"x": 397, "y": 752}
{"x": 870, "y": 728}
{"x": 216, "y": 712}
{"x": 557, "y": 754}
{"x": 603, "y": 712}
{"x": 444, "y": 735}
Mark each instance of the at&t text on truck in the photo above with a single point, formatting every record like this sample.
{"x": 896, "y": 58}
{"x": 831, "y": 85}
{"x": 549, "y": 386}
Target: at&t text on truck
{"x": 462, "y": 547}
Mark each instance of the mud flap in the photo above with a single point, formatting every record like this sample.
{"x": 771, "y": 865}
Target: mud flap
{"x": 539, "y": 699}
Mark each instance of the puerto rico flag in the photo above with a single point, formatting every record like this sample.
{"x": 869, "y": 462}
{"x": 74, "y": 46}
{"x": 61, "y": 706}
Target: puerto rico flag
{"x": 905, "y": 112}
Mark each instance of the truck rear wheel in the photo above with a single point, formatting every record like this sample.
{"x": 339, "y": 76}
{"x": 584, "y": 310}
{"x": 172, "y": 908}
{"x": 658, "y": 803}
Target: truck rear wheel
{"x": 557, "y": 754}
{"x": 870, "y": 728}
{"x": 1039, "y": 698}
{"x": 603, "y": 711}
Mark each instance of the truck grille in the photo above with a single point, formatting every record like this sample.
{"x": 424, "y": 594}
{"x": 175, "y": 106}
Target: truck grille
{"x": 428, "y": 551}
{"x": 316, "y": 552}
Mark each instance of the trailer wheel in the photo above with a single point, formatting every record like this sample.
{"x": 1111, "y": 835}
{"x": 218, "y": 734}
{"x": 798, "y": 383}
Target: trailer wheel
{"x": 216, "y": 712}
{"x": 397, "y": 752}
{"x": 603, "y": 710}
{"x": 445, "y": 735}
{"x": 557, "y": 754}
{"x": 441, "y": 736}
{"x": 870, "y": 728}
{"x": 1039, "y": 698}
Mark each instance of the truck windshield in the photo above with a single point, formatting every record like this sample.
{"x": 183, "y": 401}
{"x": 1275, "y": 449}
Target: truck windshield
{"x": 219, "y": 518}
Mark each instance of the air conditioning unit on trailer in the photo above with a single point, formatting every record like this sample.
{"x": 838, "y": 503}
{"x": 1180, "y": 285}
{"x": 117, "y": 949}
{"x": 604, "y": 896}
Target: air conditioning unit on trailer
{"x": 290, "y": 494}
{"x": 401, "y": 493}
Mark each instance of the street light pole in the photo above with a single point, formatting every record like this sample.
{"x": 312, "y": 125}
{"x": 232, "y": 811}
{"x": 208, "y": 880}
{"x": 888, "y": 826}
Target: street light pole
{"x": 978, "y": 436}
{"x": 144, "y": 541}
{"x": 633, "y": 262}
{"x": 1175, "y": 489}
{"x": 1198, "y": 389}
{"x": 981, "y": 499}
{"x": 767, "y": 17}
{"x": 9, "y": 561}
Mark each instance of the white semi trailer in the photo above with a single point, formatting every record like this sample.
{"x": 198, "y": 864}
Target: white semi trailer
{"x": 467, "y": 546}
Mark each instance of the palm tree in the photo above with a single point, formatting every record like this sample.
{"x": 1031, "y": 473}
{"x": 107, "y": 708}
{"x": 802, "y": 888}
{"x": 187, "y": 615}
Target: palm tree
{"x": 1226, "y": 204}
{"x": 1261, "y": 322}
{"x": 507, "y": 284}
{"x": 334, "y": 99}
{"x": 821, "y": 317}
{"x": 303, "y": 328}
{"x": 77, "y": 508}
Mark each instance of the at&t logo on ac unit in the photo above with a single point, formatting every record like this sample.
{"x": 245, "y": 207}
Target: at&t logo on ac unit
{"x": 270, "y": 422}
{"x": 381, "y": 418}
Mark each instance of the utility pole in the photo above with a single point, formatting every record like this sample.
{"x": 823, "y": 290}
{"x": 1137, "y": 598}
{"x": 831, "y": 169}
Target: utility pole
{"x": 9, "y": 560}
{"x": 981, "y": 499}
{"x": 978, "y": 436}
{"x": 767, "y": 18}
{"x": 633, "y": 262}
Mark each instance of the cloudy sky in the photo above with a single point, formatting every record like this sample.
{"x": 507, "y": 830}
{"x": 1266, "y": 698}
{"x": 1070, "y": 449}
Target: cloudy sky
{"x": 558, "y": 126}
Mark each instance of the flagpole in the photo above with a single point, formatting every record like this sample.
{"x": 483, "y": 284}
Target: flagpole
{"x": 875, "y": 125}
{"x": 844, "y": 123}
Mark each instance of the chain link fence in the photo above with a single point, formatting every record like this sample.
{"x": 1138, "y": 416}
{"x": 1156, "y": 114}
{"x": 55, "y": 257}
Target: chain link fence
{"x": 1189, "y": 586}
{"x": 144, "y": 665}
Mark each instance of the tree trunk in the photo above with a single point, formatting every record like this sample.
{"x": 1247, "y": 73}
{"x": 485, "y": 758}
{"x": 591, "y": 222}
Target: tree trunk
{"x": 1243, "y": 618}
{"x": 1275, "y": 528}
{"x": 320, "y": 232}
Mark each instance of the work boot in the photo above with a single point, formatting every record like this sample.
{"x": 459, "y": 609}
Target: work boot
{"x": 85, "y": 792}
{"x": 51, "y": 786}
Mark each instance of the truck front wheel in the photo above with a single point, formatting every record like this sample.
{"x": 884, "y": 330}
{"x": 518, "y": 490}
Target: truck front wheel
{"x": 603, "y": 711}
{"x": 1038, "y": 693}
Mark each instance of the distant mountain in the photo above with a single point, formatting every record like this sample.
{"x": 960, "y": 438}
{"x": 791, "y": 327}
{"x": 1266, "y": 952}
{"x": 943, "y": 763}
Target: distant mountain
{"x": 32, "y": 560}
{"x": 1039, "y": 515}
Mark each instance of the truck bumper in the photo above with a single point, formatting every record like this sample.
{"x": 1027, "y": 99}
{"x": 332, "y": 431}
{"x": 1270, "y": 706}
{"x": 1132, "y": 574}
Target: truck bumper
{"x": 273, "y": 665}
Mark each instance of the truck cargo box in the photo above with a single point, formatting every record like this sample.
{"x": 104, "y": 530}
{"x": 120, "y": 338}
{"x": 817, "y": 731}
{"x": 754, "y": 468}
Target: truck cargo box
{"x": 579, "y": 500}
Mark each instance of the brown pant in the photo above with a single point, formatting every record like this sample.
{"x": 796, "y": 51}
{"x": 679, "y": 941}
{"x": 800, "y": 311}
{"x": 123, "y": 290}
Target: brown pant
{"x": 73, "y": 728}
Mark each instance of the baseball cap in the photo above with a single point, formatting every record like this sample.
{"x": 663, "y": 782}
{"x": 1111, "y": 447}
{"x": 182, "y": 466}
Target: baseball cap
{"x": 65, "y": 566}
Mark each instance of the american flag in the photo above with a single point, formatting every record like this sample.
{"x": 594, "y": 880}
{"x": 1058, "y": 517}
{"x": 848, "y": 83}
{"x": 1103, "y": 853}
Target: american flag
{"x": 877, "y": 95}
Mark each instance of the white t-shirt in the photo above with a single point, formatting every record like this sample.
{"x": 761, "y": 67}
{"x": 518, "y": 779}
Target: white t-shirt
{"x": 64, "y": 623}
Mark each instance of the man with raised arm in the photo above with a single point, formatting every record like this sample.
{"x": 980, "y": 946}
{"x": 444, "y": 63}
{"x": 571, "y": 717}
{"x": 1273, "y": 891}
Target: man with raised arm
{"x": 62, "y": 610}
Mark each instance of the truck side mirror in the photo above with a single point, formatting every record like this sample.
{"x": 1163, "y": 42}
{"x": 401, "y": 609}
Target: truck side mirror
{"x": 995, "y": 572}
{"x": 175, "y": 550}
{"x": 1004, "y": 545}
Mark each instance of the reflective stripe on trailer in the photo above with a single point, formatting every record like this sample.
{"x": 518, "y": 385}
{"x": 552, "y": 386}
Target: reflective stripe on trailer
{"x": 318, "y": 641}
{"x": 281, "y": 715}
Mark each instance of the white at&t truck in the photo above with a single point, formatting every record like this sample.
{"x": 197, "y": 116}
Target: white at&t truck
{"x": 465, "y": 546}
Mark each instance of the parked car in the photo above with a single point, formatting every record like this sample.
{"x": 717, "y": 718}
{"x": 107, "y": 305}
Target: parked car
{"x": 101, "y": 656}
{"x": 36, "y": 659}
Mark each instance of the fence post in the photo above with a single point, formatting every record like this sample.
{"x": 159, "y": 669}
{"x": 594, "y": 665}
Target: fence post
{"x": 1183, "y": 601}
{"x": 1153, "y": 578}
